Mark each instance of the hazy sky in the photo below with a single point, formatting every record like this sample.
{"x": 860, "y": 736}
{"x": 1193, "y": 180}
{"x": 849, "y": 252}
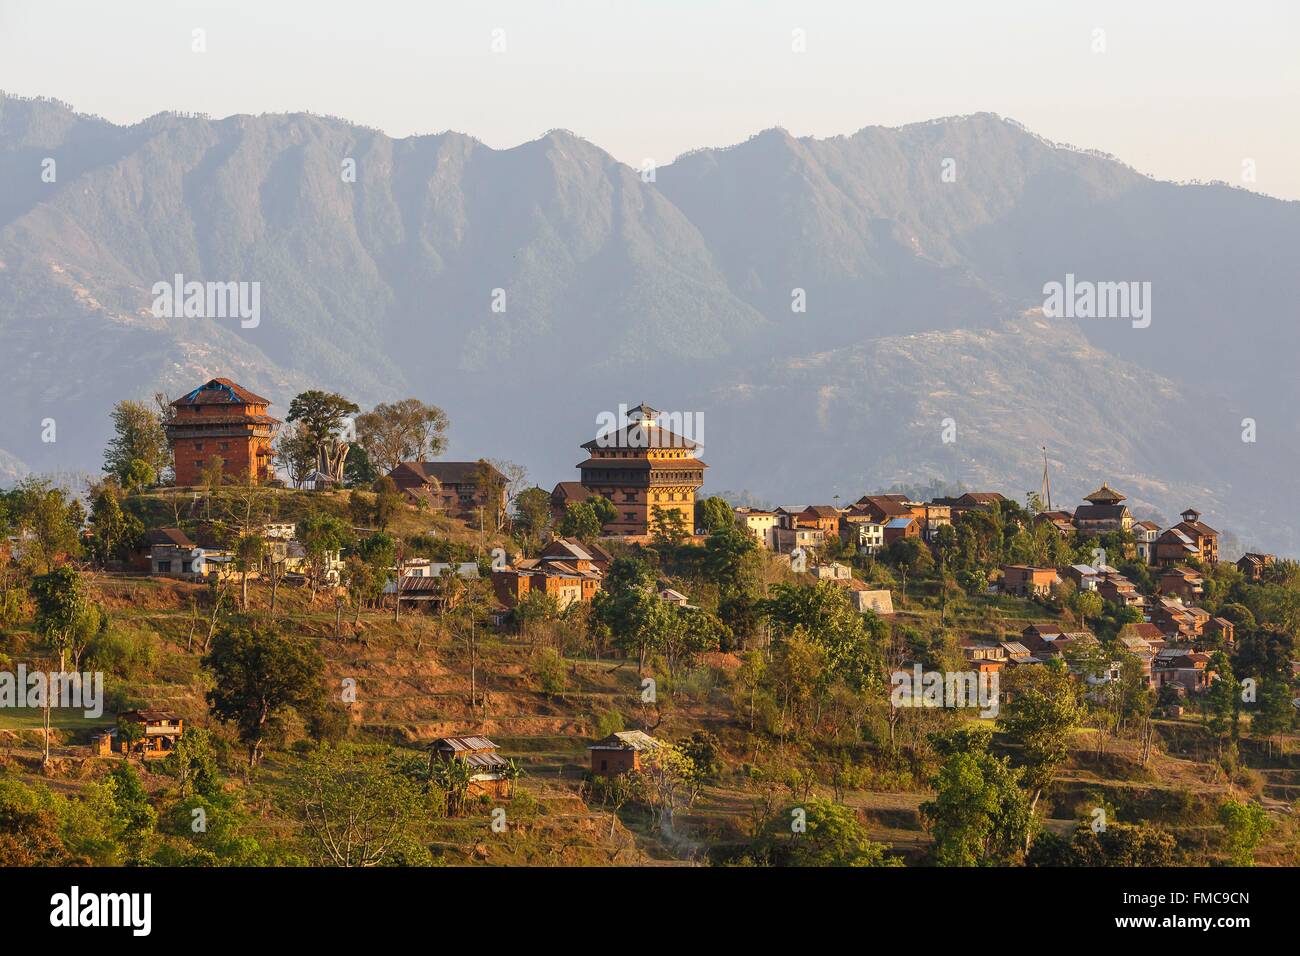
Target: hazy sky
{"x": 1183, "y": 90}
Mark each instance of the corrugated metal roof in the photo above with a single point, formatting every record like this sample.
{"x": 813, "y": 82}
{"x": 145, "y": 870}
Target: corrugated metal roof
{"x": 488, "y": 760}
{"x": 463, "y": 744}
{"x": 626, "y": 740}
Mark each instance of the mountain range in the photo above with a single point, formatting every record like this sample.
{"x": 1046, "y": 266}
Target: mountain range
{"x": 834, "y": 308}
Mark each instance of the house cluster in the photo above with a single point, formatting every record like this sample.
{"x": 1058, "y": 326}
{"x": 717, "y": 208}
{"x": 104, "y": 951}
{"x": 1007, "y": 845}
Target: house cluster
{"x": 1173, "y": 624}
{"x": 172, "y": 554}
{"x": 567, "y": 570}
{"x": 462, "y": 489}
{"x": 869, "y": 525}
{"x": 1164, "y": 662}
{"x": 1104, "y": 511}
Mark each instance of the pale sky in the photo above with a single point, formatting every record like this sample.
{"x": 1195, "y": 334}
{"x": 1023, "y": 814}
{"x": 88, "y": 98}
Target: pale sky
{"x": 1183, "y": 90}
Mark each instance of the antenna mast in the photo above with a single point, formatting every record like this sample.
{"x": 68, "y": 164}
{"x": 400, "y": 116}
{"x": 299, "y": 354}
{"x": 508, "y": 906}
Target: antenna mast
{"x": 1047, "y": 482}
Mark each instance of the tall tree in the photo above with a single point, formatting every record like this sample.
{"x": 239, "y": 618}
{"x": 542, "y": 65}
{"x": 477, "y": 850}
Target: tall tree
{"x": 358, "y": 812}
{"x": 295, "y": 452}
{"x": 51, "y": 520}
{"x": 114, "y": 531}
{"x": 322, "y": 537}
{"x": 323, "y": 416}
{"x": 714, "y": 514}
{"x": 137, "y": 436}
{"x": 1244, "y": 827}
{"x": 533, "y": 517}
{"x": 249, "y": 550}
{"x": 60, "y": 603}
{"x": 491, "y": 484}
{"x": 259, "y": 676}
{"x": 980, "y": 815}
{"x": 408, "y": 430}
{"x": 580, "y": 521}
{"x": 1041, "y": 716}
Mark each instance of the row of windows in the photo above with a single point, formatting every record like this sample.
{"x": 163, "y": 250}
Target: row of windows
{"x": 639, "y": 477}
{"x": 221, "y": 446}
{"x": 631, "y": 496}
{"x": 658, "y": 453}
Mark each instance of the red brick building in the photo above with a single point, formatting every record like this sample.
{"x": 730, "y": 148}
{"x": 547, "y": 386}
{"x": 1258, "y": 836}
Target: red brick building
{"x": 1028, "y": 581}
{"x": 221, "y": 420}
{"x": 459, "y": 488}
{"x": 620, "y": 752}
{"x": 1190, "y": 539}
{"x": 640, "y": 467}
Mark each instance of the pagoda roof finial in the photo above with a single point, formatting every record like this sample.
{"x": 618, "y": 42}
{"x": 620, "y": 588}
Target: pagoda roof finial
{"x": 1105, "y": 495}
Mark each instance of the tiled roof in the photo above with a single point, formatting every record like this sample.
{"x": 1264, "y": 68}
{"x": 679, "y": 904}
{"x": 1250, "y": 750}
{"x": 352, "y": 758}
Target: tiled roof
{"x": 444, "y": 472}
{"x": 637, "y": 435}
{"x": 1105, "y": 495}
{"x": 174, "y": 536}
{"x": 221, "y": 391}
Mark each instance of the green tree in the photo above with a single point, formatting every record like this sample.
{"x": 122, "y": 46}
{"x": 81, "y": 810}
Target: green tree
{"x": 114, "y": 532}
{"x": 359, "y": 471}
{"x": 322, "y": 536}
{"x": 580, "y": 521}
{"x": 832, "y": 835}
{"x": 1223, "y": 699}
{"x": 1135, "y": 846}
{"x": 295, "y": 452}
{"x": 408, "y": 430}
{"x": 193, "y": 762}
{"x": 1040, "y": 718}
{"x": 1244, "y": 827}
{"x": 51, "y": 520}
{"x": 823, "y": 613}
{"x": 533, "y": 517}
{"x": 733, "y": 562}
{"x": 714, "y": 514}
{"x": 138, "y": 436}
{"x": 668, "y": 525}
{"x": 61, "y": 605}
{"x": 321, "y": 416}
{"x": 388, "y": 501}
{"x": 259, "y": 675}
{"x": 628, "y": 612}
{"x": 133, "y": 816}
{"x": 603, "y": 508}
{"x": 1086, "y": 604}
{"x": 1276, "y": 714}
{"x": 980, "y": 815}
{"x": 358, "y": 812}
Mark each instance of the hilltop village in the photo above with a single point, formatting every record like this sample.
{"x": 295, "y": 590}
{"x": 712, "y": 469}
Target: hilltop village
{"x": 313, "y": 623}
